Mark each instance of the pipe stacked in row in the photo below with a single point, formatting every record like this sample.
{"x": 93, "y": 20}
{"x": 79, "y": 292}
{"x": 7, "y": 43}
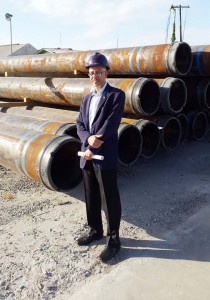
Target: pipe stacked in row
{"x": 163, "y": 59}
{"x": 144, "y": 96}
{"x": 129, "y": 137}
{"x": 154, "y": 105}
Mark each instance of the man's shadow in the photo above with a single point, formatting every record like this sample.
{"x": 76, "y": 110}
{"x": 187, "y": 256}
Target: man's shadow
{"x": 175, "y": 216}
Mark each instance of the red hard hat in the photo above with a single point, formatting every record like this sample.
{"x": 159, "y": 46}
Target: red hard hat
{"x": 97, "y": 59}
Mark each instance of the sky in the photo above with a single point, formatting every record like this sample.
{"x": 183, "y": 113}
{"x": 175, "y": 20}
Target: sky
{"x": 103, "y": 24}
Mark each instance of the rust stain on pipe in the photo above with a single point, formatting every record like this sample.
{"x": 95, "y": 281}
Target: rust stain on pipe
{"x": 42, "y": 157}
{"x": 142, "y": 94}
{"x": 164, "y": 59}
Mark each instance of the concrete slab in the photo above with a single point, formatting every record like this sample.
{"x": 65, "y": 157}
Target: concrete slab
{"x": 175, "y": 268}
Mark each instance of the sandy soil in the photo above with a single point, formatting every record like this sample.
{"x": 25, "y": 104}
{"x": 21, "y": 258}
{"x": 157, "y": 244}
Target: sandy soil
{"x": 39, "y": 256}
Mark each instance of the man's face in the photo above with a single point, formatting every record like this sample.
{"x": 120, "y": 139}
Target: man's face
{"x": 98, "y": 75}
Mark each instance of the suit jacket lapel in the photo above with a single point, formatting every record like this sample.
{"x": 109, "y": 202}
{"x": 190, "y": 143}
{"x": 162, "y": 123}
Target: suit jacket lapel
{"x": 88, "y": 108}
{"x": 103, "y": 98}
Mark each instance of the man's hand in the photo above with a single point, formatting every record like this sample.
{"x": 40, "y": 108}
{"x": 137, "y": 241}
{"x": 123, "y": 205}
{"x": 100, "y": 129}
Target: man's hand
{"x": 87, "y": 155}
{"x": 94, "y": 140}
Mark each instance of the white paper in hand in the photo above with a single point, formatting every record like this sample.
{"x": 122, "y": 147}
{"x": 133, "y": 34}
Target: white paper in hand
{"x": 94, "y": 156}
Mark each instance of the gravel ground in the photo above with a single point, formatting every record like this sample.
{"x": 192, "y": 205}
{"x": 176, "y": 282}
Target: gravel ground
{"x": 39, "y": 256}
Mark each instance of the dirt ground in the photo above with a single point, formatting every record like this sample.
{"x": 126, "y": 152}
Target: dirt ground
{"x": 39, "y": 256}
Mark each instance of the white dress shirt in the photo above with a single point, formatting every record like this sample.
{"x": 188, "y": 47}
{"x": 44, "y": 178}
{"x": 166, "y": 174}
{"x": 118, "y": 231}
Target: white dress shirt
{"x": 94, "y": 104}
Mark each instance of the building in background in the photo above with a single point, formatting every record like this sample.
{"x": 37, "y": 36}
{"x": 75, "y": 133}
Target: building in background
{"x": 17, "y": 49}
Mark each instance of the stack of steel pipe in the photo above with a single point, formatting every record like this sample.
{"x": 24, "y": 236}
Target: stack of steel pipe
{"x": 165, "y": 104}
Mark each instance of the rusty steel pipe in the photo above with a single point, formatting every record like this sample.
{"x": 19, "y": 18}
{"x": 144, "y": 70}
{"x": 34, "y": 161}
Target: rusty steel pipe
{"x": 46, "y": 126}
{"x": 198, "y": 125}
{"x": 129, "y": 144}
{"x": 42, "y": 157}
{"x": 173, "y": 95}
{"x": 201, "y": 60}
{"x": 150, "y": 135}
{"x": 163, "y": 59}
{"x": 198, "y": 93}
{"x": 142, "y": 94}
{"x": 42, "y": 113}
{"x": 184, "y": 123}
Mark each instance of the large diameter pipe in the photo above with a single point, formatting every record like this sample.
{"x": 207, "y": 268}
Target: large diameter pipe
{"x": 173, "y": 95}
{"x": 42, "y": 113}
{"x": 46, "y": 126}
{"x": 198, "y": 93}
{"x": 142, "y": 94}
{"x": 207, "y": 113}
{"x": 150, "y": 135}
{"x": 201, "y": 60}
{"x": 45, "y": 158}
{"x": 198, "y": 125}
{"x": 129, "y": 144}
{"x": 170, "y": 130}
{"x": 163, "y": 59}
{"x": 184, "y": 123}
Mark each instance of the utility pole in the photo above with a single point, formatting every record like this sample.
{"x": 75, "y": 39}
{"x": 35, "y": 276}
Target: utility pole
{"x": 180, "y": 16}
{"x": 8, "y": 17}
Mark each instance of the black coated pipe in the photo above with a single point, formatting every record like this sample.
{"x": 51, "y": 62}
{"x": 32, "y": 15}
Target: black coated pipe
{"x": 183, "y": 120}
{"x": 129, "y": 144}
{"x": 173, "y": 95}
{"x": 198, "y": 125}
{"x": 207, "y": 113}
{"x": 201, "y": 60}
{"x": 198, "y": 93}
{"x": 170, "y": 129}
{"x": 150, "y": 137}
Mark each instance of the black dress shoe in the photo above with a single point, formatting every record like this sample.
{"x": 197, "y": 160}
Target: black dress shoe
{"x": 89, "y": 238}
{"x": 108, "y": 253}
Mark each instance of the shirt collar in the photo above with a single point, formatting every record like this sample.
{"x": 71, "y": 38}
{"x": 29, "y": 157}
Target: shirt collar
{"x": 94, "y": 93}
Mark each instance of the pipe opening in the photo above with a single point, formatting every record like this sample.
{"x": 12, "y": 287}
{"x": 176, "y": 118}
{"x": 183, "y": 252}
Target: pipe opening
{"x": 207, "y": 113}
{"x": 178, "y": 96}
{"x": 150, "y": 138}
{"x": 208, "y": 95}
{"x": 129, "y": 144}
{"x": 182, "y": 118}
{"x": 68, "y": 129}
{"x": 183, "y": 58}
{"x": 171, "y": 134}
{"x": 149, "y": 98}
{"x": 59, "y": 166}
{"x": 198, "y": 126}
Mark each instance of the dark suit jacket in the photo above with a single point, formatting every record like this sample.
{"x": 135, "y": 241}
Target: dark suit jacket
{"x": 106, "y": 122}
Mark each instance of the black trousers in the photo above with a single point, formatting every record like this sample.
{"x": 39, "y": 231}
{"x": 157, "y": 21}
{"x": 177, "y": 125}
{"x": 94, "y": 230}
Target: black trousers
{"x": 101, "y": 191}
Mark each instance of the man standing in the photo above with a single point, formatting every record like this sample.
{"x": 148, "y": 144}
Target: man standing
{"x": 97, "y": 126}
